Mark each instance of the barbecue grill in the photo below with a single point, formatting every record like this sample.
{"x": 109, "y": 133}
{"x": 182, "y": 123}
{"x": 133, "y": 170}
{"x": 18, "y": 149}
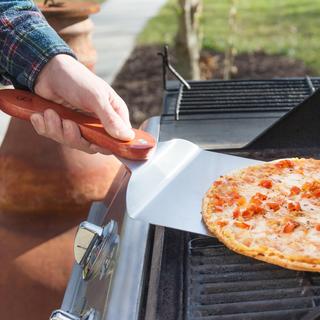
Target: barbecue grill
{"x": 129, "y": 270}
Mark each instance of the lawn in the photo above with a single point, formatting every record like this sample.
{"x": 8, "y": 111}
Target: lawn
{"x": 287, "y": 27}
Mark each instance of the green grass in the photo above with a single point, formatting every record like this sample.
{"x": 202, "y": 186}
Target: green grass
{"x": 163, "y": 27}
{"x": 287, "y": 27}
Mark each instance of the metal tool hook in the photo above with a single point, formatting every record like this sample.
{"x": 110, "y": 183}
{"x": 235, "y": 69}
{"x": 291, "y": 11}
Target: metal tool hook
{"x": 166, "y": 64}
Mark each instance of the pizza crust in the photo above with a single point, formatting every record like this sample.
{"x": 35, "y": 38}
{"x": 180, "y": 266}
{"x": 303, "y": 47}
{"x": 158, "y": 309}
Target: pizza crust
{"x": 270, "y": 255}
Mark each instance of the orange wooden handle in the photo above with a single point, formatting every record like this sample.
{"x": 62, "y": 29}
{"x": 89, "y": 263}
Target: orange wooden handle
{"x": 22, "y": 104}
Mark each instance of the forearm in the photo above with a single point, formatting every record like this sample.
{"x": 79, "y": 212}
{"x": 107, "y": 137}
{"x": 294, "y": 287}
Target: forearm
{"x": 27, "y": 42}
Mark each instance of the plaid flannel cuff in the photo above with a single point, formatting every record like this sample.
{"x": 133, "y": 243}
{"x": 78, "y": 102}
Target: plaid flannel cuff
{"x": 29, "y": 75}
{"x": 28, "y": 45}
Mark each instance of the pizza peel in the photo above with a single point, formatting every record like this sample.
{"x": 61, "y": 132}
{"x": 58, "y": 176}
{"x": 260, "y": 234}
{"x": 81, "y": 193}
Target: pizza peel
{"x": 167, "y": 182}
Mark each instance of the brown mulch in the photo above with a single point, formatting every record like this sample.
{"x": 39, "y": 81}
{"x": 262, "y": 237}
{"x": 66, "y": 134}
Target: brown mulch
{"x": 139, "y": 82}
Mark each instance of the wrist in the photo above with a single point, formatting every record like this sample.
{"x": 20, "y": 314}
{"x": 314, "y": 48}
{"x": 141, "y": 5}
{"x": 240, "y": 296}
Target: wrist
{"x": 52, "y": 72}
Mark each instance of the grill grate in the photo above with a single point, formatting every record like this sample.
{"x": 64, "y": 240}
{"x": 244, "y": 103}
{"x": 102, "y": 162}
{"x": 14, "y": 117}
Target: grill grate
{"x": 211, "y": 99}
{"x": 222, "y": 285}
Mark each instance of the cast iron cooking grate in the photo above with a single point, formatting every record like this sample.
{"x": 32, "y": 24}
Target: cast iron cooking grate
{"x": 212, "y": 99}
{"x": 222, "y": 285}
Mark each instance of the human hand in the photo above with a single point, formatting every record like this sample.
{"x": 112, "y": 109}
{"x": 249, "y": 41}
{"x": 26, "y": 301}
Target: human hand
{"x": 66, "y": 81}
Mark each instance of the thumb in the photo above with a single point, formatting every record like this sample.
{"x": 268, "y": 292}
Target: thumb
{"x": 114, "y": 124}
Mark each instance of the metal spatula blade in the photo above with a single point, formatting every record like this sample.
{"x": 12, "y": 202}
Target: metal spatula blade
{"x": 168, "y": 189}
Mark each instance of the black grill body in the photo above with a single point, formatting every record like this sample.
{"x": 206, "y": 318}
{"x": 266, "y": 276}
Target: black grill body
{"x": 197, "y": 278}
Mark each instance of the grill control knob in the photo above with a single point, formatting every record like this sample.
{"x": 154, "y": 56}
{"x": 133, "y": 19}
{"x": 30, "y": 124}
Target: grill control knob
{"x": 95, "y": 248}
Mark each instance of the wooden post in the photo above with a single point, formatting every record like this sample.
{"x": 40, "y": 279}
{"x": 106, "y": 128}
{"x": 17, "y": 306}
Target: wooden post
{"x": 188, "y": 40}
{"x": 229, "y": 67}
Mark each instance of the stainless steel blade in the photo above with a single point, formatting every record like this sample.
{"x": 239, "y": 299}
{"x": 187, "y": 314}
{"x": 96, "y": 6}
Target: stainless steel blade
{"x": 167, "y": 190}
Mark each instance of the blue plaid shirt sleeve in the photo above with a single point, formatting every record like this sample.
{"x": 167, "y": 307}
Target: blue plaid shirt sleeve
{"x": 27, "y": 43}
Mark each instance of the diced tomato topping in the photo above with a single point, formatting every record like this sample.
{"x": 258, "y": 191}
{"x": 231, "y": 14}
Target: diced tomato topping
{"x": 241, "y": 201}
{"x": 300, "y": 171}
{"x": 217, "y": 183}
{"x": 234, "y": 195}
{"x": 318, "y": 227}
{"x": 252, "y": 210}
{"x": 241, "y": 225}
{"x": 312, "y": 187}
{"x": 218, "y": 201}
{"x": 236, "y": 213}
{"x": 265, "y": 184}
{"x": 284, "y": 164}
{"x": 294, "y": 191}
{"x": 217, "y": 209}
{"x": 256, "y": 202}
{"x": 294, "y": 206}
{"x": 221, "y": 223}
{"x": 247, "y": 214}
{"x": 306, "y": 186}
{"x": 306, "y": 195}
{"x": 230, "y": 198}
{"x": 258, "y": 210}
{"x": 273, "y": 206}
{"x": 260, "y": 196}
{"x": 290, "y": 226}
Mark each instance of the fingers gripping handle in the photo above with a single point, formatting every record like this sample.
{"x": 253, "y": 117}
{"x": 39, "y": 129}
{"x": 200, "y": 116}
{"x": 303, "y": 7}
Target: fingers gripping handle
{"x": 22, "y": 104}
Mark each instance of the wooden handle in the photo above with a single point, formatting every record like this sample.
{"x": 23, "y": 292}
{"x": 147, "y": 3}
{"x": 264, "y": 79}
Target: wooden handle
{"x": 22, "y": 104}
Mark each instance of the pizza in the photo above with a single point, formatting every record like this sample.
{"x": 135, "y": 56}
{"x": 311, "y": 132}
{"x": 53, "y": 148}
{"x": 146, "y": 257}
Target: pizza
{"x": 270, "y": 212}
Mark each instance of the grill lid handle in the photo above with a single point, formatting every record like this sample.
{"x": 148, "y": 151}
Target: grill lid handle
{"x": 22, "y": 104}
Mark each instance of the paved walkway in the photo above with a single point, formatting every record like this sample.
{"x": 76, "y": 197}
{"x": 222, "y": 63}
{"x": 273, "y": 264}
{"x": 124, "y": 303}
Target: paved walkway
{"x": 116, "y": 27}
